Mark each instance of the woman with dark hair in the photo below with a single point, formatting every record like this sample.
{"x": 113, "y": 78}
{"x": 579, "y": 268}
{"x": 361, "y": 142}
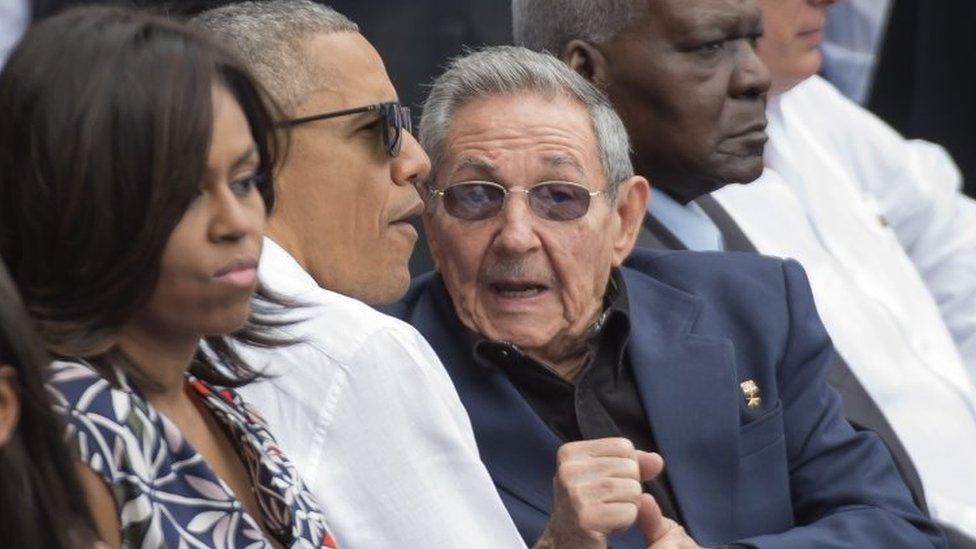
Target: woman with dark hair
{"x": 39, "y": 488}
{"x": 135, "y": 177}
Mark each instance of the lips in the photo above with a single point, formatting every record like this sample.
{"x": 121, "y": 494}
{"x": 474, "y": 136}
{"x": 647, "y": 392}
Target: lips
{"x": 517, "y": 289}
{"x": 404, "y": 217}
{"x": 754, "y": 129}
{"x": 241, "y": 273}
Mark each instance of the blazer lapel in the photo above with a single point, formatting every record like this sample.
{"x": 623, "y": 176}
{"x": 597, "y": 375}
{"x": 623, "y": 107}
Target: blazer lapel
{"x": 734, "y": 239}
{"x": 517, "y": 448}
{"x": 688, "y": 385}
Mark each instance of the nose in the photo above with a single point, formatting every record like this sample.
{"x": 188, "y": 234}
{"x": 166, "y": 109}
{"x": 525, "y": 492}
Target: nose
{"x": 412, "y": 164}
{"x": 517, "y": 232}
{"x": 751, "y": 78}
{"x": 233, "y": 218}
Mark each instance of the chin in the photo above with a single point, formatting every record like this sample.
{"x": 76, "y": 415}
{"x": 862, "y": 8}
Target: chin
{"x": 742, "y": 170}
{"x": 388, "y": 291}
{"x": 524, "y": 333}
{"x": 229, "y": 322}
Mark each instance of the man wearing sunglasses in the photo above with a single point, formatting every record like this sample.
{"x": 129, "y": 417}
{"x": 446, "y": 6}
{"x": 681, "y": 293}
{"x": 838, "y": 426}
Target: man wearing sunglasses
{"x": 580, "y": 375}
{"x": 360, "y": 403}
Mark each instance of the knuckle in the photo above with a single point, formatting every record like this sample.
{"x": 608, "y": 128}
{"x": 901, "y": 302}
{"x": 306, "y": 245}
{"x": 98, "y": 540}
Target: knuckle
{"x": 621, "y": 445}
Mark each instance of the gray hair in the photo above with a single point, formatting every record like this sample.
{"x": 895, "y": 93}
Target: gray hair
{"x": 270, "y": 37}
{"x": 548, "y": 25}
{"x": 508, "y": 70}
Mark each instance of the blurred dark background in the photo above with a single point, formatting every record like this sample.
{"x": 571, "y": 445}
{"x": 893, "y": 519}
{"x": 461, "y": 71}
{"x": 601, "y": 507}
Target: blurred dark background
{"x": 415, "y": 38}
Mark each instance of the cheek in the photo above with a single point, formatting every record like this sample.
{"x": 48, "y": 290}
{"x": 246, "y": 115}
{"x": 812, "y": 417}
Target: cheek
{"x": 581, "y": 262}
{"x": 459, "y": 257}
{"x": 459, "y": 253}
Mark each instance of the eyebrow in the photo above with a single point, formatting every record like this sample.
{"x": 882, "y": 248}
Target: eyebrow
{"x": 559, "y": 160}
{"x": 480, "y": 165}
{"x": 244, "y": 158}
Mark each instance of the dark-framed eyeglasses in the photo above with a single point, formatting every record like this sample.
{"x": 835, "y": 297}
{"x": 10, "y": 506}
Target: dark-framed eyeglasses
{"x": 552, "y": 200}
{"x": 396, "y": 119}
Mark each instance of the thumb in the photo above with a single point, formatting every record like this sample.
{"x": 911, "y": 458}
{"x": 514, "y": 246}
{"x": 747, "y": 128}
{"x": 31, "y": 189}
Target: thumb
{"x": 650, "y": 464}
{"x": 650, "y": 521}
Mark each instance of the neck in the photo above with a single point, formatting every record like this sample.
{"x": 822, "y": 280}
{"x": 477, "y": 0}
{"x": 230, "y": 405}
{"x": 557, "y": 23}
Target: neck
{"x": 281, "y": 232}
{"x": 569, "y": 366}
{"x": 567, "y": 354}
{"x": 162, "y": 359}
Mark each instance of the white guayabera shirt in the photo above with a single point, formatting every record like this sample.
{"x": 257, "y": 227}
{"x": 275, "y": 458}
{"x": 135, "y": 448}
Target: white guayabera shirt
{"x": 368, "y": 414}
{"x": 889, "y": 244}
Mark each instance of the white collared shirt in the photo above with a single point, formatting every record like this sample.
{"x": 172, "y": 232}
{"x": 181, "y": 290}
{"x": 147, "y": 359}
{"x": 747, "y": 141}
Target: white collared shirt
{"x": 889, "y": 245}
{"x": 688, "y": 223}
{"x": 367, "y": 412}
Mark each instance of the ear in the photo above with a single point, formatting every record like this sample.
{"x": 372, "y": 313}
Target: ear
{"x": 9, "y": 403}
{"x": 630, "y": 209}
{"x": 587, "y": 60}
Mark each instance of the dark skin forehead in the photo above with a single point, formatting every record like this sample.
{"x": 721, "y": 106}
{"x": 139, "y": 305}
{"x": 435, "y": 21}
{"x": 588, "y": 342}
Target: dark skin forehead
{"x": 682, "y": 19}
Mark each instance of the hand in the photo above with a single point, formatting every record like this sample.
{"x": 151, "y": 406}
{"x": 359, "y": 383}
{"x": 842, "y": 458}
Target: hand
{"x": 596, "y": 492}
{"x": 660, "y": 531}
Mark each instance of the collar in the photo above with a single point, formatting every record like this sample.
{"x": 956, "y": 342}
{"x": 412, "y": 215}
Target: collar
{"x": 688, "y": 222}
{"x": 280, "y": 271}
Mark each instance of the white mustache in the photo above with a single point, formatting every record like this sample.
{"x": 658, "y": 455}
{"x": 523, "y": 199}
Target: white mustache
{"x": 514, "y": 269}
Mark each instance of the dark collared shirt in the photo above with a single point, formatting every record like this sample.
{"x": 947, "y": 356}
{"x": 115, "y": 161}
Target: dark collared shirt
{"x": 603, "y": 401}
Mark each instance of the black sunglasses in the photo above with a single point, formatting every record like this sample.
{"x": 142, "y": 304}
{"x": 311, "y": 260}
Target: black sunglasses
{"x": 396, "y": 118}
{"x": 552, "y": 200}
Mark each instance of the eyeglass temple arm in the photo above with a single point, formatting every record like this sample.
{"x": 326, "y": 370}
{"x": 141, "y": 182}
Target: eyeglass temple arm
{"x": 326, "y": 116}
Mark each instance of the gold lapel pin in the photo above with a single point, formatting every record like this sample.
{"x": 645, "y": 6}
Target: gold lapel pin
{"x": 751, "y": 392}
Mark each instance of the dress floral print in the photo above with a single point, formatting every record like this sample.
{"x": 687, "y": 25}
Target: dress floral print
{"x": 167, "y": 495}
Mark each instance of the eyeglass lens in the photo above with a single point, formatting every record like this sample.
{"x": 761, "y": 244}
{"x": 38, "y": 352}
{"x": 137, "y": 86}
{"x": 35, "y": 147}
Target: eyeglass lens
{"x": 396, "y": 118}
{"x": 554, "y": 201}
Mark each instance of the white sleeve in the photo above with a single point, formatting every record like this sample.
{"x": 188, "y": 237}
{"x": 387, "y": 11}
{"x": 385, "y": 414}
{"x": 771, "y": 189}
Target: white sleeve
{"x": 918, "y": 189}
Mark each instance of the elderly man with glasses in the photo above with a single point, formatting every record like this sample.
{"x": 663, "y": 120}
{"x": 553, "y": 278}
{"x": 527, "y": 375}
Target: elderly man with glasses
{"x": 580, "y": 376}
{"x": 360, "y": 403}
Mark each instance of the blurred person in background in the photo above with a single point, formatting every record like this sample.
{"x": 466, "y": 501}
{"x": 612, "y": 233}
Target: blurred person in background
{"x": 908, "y": 62}
{"x": 40, "y": 496}
{"x": 889, "y": 241}
{"x": 362, "y": 403}
{"x": 131, "y": 218}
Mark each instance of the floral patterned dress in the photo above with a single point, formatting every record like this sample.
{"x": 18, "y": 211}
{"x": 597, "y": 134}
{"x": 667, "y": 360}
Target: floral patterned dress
{"x": 167, "y": 495}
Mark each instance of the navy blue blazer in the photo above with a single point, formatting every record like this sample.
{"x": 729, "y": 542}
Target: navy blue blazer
{"x": 790, "y": 474}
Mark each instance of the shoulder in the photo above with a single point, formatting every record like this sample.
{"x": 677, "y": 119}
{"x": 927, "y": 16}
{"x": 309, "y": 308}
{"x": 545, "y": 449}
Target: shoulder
{"x": 826, "y": 113}
{"x": 340, "y": 327}
{"x": 818, "y": 100}
{"x": 736, "y": 291}
{"x": 690, "y": 270}
{"x": 106, "y": 421}
{"x": 78, "y": 387}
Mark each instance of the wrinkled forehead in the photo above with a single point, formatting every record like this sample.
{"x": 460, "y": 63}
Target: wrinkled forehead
{"x": 680, "y": 18}
{"x": 522, "y": 139}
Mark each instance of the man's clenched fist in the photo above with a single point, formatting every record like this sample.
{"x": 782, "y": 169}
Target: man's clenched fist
{"x": 597, "y": 491}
